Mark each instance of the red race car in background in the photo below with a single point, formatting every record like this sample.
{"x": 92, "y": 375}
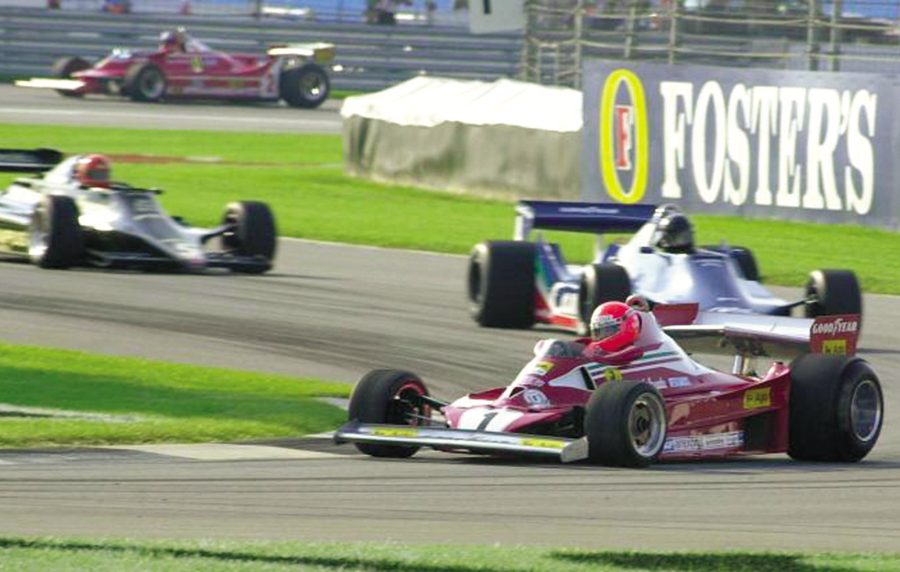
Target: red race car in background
{"x": 651, "y": 401}
{"x": 183, "y": 67}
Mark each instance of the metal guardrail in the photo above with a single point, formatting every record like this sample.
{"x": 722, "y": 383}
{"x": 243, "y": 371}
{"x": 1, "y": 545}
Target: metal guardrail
{"x": 370, "y": 57}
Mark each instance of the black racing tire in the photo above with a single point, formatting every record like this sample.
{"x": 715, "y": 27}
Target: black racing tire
{"x": 145, "y": 82}
{"x": 625, "y": 424}
{"x": 501, "y": 284}
{"x": 601, "y": 283}
{"x": 55, "y": 238}
{"x": 251, "y": 233}
{"x": 386, "y": 396}
{"x": 63, "y": 68}
{"x": 305, "y": 86}
{"x": 836, "y": 408}
{"x": 743, "y": 256}
{"x": 831, "y": 292}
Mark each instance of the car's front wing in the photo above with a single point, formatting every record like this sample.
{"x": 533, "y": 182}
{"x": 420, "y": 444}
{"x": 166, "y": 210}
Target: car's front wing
{"x": 445, "y": 438}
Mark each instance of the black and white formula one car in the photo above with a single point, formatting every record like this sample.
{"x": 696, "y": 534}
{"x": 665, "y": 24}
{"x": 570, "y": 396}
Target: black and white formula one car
{"x": 73, "y": 214}
{"x": 518, "y": 283}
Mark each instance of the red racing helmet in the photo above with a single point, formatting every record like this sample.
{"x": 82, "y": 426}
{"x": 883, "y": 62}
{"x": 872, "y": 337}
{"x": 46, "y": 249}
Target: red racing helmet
{"x": 615, "y": 326}
{"x": 93, "y": 171}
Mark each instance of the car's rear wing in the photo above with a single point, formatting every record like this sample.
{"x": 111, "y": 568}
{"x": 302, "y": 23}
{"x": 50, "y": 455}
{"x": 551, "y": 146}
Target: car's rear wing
{"x": 28, "y": 160}
{"x": 319, "y": 52}
{"x": 596, "y": 218}
{"x": 447, "y": 439}
{"x": 752, "y": 335}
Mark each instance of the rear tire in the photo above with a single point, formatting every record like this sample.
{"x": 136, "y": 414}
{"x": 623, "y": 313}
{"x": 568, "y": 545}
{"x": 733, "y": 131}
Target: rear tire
{"x": 55, "y": 239}
{"x": 601, "y": 283}
{"x": 743, "y": 257}
{"x": 501, "y": 284}
{"x": 252, "y": 233}
{"x": 625, "y": 424}
{"x": 145, "y": 82}
{"x": 834, "y": 292}
{"x": 386, "y": 396}
{"x": 63, "y": 68}
{"x": 836, "y": 409}
{"x": 305, "y": 86}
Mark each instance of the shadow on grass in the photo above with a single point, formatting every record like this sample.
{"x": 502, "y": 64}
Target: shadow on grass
{"x": 236, "y": 556}
{"x": 697, "y": 562}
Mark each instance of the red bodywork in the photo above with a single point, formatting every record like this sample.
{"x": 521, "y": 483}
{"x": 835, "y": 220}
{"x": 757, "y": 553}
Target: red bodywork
{"x": 199, "y": 72}
{"x": 710, "y": 413}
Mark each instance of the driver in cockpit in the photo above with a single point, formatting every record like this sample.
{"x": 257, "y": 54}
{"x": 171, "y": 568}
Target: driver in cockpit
{"x": 92, "y": 171}
{"x": 173, "y": 41}
{"x": 675, "y": 233}
{"x": 615, "y": 327}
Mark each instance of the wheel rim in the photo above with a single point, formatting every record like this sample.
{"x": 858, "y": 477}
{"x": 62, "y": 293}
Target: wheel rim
{"x": 403, "y": 409}
{"x": 312, "y": 86}
{"x": 647, "y": 425}
{"x": 37, "y": 236}
{"x": 475, "y": 282}
{"x": 151, "y": 84}
{"x": 865, "y": 410}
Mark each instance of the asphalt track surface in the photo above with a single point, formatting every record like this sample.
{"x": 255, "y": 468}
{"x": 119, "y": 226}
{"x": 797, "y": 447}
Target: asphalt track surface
{"x": 39, "y": 106}
{"x": 336, "y": 311}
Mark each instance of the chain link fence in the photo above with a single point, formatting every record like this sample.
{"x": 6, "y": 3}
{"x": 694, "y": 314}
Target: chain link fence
{"x": 862, "y": 35}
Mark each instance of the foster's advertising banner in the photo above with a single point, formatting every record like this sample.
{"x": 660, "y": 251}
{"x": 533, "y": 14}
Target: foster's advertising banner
{"x": 763, "y": 143}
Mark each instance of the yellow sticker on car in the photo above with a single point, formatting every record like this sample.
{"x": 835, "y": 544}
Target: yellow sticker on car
{"x": 838, "y": 347}
{"x": 756, "y": 398}
{"x": 391, "y": 432}
{"x": 543, "y": 443}
{"x": 612, "y": 374}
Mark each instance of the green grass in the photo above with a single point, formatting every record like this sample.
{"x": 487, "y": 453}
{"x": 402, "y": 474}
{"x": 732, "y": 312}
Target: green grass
{"x": 113, "y": 555}
{"x": 313, "y": 198}
{"x": 157, "y": 401}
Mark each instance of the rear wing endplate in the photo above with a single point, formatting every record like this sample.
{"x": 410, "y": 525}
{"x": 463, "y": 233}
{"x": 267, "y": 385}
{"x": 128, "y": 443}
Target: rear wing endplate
{"x": 444, "y": 438}
{"x": 596, "y": 218}
{"x": 28, "y": 160}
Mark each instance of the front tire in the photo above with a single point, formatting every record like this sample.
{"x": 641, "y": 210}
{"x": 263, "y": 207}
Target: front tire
{"x": 501, "y": 284}
{"x": 388, "y": 396}
{"x": 836, "y": 409}
{"x": 625, "y": 424}
{"x": 831, "y": 292}
{"x": 64, "y": 68}
{"x": 251, "y": 233}
{"x": 305, "y": 86}
{"x": 145, "y": 82}
{"x": 55, "y": 239}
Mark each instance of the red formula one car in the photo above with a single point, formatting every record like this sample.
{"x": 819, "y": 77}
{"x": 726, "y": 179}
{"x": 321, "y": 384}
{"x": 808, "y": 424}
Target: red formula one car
{"x": 648, "y": 402}
{"x": 183, "y": 67}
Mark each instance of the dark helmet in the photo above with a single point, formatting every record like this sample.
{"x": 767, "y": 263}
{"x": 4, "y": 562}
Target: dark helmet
{"x": 676, "y": 233}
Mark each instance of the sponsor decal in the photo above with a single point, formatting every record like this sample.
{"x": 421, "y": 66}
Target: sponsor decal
{"x": 756, "y": 398}
{"x": 612, "y": 374}
{"x": 543, "y": 443}
{"x": 542, "y": 368}
{"x": 591, "y": 210}
{"x": 197, "y": 64}
{"x": 672, "y": 382}
{"x": 808, "y": 148}
{"x": 836, "y": 326}
{"x": 624, "y": 144}
{"x": 679, "y": 382}
{"x": 395, "y": 432}
{"x": 704, "y": 442}
{"x": 535, "y": 398}
{"x": 838, "y": 347}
